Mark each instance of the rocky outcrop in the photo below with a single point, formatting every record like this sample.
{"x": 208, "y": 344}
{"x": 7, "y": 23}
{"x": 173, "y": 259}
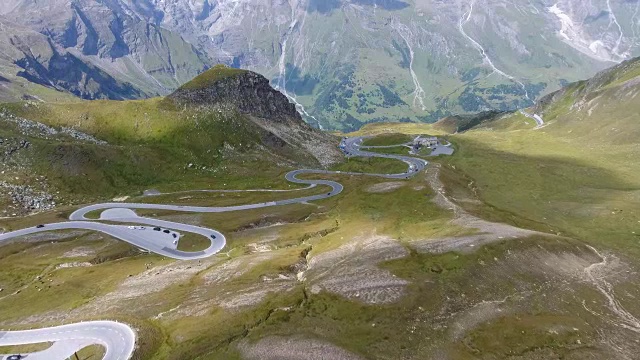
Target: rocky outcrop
{"x": 8, "y": 147}
{"x": 249, "y": 92}
{"x": 25, "y": 199}
{"x": 39, "y": 130}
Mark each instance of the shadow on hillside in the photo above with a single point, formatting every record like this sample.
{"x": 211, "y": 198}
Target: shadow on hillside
{"x": 552, "y": 194}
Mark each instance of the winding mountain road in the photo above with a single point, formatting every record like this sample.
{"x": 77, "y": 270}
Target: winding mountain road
{"x": 161, "y": 237}
{"x": 537, "y": 118}
{"x": 117, "y": 339}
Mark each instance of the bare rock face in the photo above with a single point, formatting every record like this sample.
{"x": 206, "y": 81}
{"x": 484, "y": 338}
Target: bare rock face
{"x": 251, "y": 94}
{"x": 247, "y": 91}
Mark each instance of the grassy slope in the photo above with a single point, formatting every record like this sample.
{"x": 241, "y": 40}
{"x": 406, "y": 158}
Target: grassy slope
{"x": 414, "y": 327}
{"x": 402, "y": 128}
{"x": 356, "y": 210}
{"x": 538, "y": 181}
{"x": 387, "y": 140}
{"x": 371, "y": 165}
{"x": 216, "y": 73}
{"x": 151, "y": 144}
{"x": 576, "y": 176}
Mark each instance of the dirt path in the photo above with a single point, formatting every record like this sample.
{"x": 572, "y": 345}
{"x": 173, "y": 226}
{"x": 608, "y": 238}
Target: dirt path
{"x": 599, "y": 274}
{"x": 488, "y": 231}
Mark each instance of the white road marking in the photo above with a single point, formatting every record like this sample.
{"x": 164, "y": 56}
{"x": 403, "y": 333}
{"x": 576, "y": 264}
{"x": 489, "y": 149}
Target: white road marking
{"x": 112, "y": 335}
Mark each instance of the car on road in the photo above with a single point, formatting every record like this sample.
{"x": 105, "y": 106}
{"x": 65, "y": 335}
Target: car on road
{"x": 39, "y": 226}
{"x": 15, "y": 357}
{"x": 174, "y": 235}
{"x": 166, "y": 231}
{"x": 131, "y": 227}
{"x": 156, "y": 229}
{"x": 175, "y": 242}
{"x": 213, "y": 236}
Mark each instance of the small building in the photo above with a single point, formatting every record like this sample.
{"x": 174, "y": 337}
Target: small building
{"x": 421, "y": 141}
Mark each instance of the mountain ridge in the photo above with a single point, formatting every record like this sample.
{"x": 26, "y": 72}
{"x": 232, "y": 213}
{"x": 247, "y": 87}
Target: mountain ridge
{"x": 85, "y": 150}
{"x": 247, "y": 91}
{"x": 343, "y": 63}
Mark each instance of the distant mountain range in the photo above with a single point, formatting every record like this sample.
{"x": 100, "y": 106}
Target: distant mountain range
{"x": 344, "y": 62}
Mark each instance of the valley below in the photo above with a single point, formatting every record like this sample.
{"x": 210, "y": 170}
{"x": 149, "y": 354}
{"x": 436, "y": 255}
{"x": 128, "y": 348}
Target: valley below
{"x": 343, "y": 63}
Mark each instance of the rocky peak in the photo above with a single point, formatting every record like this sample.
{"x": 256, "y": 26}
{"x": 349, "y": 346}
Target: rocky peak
{"x": 251, "y": 94}
{"x": 247, "y": 91}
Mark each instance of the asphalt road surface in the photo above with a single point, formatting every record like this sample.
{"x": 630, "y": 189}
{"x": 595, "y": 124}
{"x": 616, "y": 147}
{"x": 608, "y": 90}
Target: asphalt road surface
{"x": 537, "y": 118}
{"x": 117, "y": 339}
{"x": 165, "y": 243}
{"x": 161, "y": 237}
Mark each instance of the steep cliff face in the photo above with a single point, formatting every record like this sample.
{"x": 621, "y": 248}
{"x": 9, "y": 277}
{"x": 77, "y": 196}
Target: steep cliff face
{"x": 30, "y": 55}
{"x": 249, "y": 92}
{"x": 66, "y": 72}
{"x": 88, "y": 46}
